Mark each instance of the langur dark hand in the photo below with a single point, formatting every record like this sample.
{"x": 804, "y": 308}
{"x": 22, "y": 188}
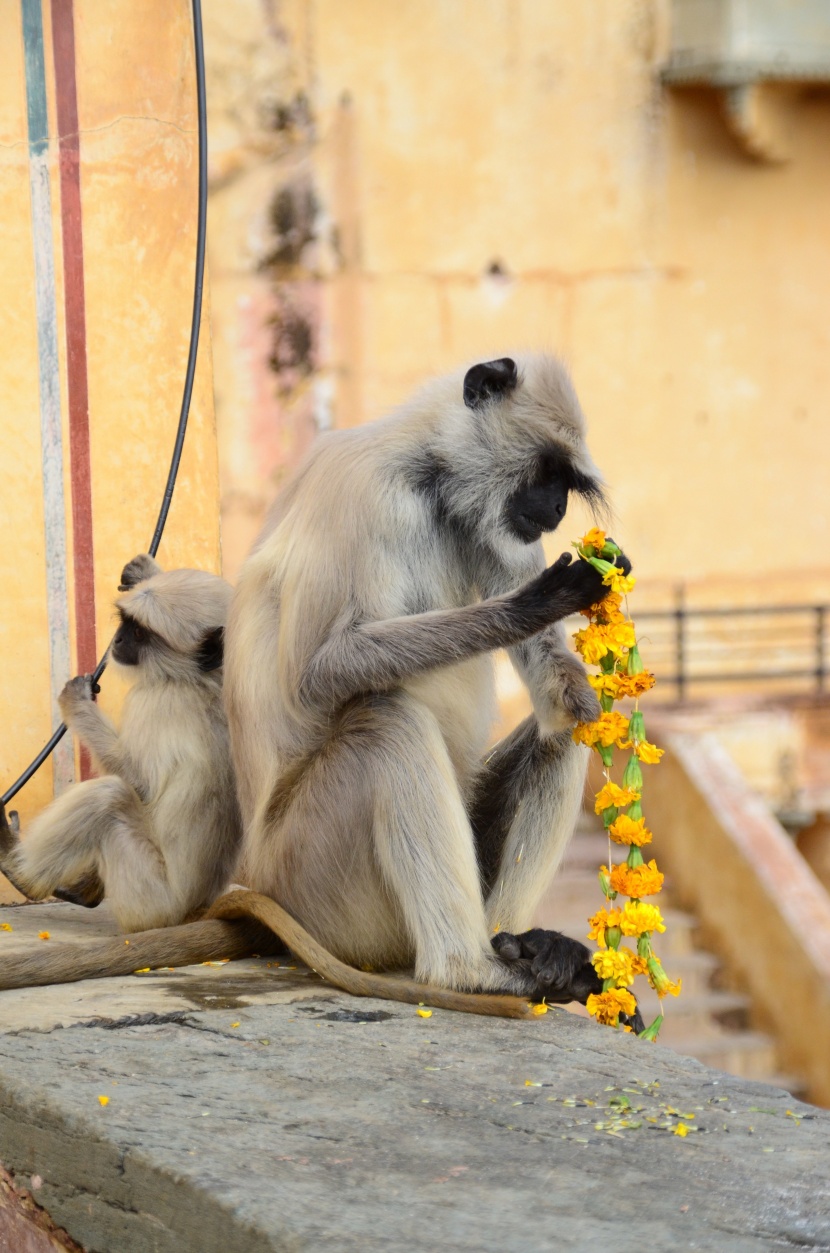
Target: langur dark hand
{"x": 620, "y": 560}
{"x": 136, "y": 571}
{"x": 78, "y": 691}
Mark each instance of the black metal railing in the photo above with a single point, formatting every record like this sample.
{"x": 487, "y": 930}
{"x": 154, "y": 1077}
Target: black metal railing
{"x": 785, "y": 645}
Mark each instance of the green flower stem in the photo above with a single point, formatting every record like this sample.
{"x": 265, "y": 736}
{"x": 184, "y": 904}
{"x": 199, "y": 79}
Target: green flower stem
{"x": 653, "y": 1030}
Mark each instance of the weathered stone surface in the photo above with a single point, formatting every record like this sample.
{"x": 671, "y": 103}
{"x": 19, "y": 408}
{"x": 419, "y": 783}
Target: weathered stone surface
{"x": 345, "y": 1124}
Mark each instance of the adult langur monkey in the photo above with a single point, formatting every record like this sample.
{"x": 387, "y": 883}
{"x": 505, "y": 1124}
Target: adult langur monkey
{"x": 360, "y": 693}
{"x": 158, "y": 832}
{"x": 359, "y": 690}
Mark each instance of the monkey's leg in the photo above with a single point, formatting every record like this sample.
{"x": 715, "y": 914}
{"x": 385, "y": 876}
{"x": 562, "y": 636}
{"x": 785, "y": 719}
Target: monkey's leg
{"x": 98, "y": 830}
{"x": 524, "y": 809}
{"x": 373, "y": 853}
{"x": 62, "y": 844}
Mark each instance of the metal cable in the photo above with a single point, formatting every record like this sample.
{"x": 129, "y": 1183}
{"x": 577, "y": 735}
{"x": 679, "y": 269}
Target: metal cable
{"x": 190, "y": 375}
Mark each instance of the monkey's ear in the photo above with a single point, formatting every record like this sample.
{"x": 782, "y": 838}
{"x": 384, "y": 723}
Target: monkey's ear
{"x": 488, "y": 380}
{"x": 211, "y": 651}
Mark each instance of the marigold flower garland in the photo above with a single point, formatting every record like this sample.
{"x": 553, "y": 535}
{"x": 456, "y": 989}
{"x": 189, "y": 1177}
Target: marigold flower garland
{"x": 610, "y": 642}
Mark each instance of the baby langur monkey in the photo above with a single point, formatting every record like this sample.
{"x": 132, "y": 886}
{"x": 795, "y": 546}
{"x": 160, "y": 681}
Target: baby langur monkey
{"x": 157, "y": 833}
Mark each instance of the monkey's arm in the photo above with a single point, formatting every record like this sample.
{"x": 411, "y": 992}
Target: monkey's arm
{"x": 555, "y": 679}
{"x": 374, "y": 656}
{"x": 96, "y": 732}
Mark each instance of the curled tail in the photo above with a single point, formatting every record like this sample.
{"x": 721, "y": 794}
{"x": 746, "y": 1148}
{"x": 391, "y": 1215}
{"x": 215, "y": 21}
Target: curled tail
{"x": 237, "y": 925}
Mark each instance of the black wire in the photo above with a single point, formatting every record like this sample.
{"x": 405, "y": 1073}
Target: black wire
{"x": 189, "y": 376}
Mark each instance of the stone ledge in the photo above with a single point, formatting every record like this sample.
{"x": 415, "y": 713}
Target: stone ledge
{"x": 326, "y": 1121}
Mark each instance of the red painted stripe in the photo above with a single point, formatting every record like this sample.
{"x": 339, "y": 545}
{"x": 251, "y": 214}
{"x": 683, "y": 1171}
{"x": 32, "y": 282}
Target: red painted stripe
{"x": 63, "y": 46}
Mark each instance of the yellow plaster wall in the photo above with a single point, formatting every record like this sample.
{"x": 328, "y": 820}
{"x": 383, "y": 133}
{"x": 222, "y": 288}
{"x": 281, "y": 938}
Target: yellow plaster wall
{"x": 137, "y": 113}
{"x": 685, "y": 283}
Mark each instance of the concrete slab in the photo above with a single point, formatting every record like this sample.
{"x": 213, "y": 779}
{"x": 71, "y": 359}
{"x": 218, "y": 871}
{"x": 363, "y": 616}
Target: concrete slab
{"x": 318, "y": 1120}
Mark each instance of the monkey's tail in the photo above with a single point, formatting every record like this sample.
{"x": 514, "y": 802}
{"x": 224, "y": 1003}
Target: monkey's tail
{"x": 388, "y": 987}
{"x": 237, "y": 925}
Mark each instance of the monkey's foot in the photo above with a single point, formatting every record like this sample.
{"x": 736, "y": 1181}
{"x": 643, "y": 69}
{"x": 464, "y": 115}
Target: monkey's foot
{"x": 88, "y": 892}
{"x": 560, "y": 966}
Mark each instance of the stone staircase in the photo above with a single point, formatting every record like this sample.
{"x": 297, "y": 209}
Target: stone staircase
{"x": 707, "y": 1021}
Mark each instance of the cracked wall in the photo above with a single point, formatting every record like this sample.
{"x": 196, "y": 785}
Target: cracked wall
{"x": 512, "y": 174}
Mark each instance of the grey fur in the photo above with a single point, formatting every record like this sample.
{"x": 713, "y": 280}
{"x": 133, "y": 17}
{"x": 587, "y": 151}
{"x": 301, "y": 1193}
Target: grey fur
{"x": 158, "y": 833}
{"x": 359, "y": 682}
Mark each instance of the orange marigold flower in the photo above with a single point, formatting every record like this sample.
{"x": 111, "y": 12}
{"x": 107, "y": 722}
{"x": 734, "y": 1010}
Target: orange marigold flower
{"x": 625, "y": 830}
{"x": 595, "y": 538}
{"x": 612, "y": 794}
{"x": 633, "y": 685}
{"x": 635, "y": 918}
{"x": 600, "y": 922}
{"x": 606, "y": 1007}
{"x": 608, "y": 729}
{"x": 606, "y": 611}
{"x": 637, "y": 881}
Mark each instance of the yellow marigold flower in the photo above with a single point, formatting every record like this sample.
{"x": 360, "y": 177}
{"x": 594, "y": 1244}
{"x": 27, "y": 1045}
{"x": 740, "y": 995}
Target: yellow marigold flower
{"x": 604, "y": 684}
{"x": 5, "y": 926}
{"x": 615, "y": 963}
{"x": 620, "y": 636}
{"x": 645, "y": 880}
{"x": 43, "y": 935}
{"x": 608, "y": 729}
{"x": 595, "y": 538}
{"x": 619, "y": 582}
{"x": 601, "y": 921}
{"x": 659, "y": 980}
{"x": 635, "y": 918}
{"x": 606, "y": 1007}
{"x": 648, "y": 753}
{"x": 625, "y": 830}
{"x": 613, "y": 795}
{"x": 103, "y": 1100}
{"x": 639, "y": 964}
{"x": 591, "y": 644}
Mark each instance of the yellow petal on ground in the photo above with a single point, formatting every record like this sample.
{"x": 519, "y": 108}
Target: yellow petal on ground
{"x": 538, "y": 1010}
{"x": 236, "y": 1024}
{"x": 424, "y": 1013}
{"x": 680, "y": 1130}
{"x": 143, "y": 970}
{"x": 5, "y": 926}
{"x": 43, "y": 935}
{"x": 103, "y": 1100}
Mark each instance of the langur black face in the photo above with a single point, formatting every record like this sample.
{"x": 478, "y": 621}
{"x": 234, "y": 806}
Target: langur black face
{"x": 539, "y": 504}
{"x": 130, "y": 639}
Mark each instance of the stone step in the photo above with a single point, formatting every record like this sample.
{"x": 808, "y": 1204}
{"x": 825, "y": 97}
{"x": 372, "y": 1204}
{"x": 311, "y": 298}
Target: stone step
{"x": 748, "y": 1054}
{"x": 704, "y": 1022}
{"x": 690, "y": 1015}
